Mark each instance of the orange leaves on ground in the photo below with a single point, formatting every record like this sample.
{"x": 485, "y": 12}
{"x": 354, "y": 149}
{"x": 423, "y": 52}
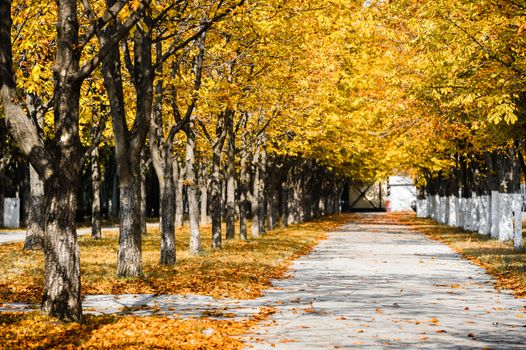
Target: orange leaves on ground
{"x": 434, "y": 321}
{"x": 241, "y": 270}
{"x": 33, "y": 331}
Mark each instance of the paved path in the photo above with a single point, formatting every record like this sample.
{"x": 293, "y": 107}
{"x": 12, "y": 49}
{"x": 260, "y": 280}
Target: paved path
{"x": 369, "y": 286}
{"x": 381, "y": 286}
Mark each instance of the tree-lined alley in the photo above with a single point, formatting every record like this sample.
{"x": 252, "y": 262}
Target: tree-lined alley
{"x": 254, "y": 112}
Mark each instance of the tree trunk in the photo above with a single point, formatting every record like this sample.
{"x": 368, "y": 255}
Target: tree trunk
{"x": 61, "y": 296}
{"x": 244, "y": 196}
{"x": 3, "y": 149}
{"x": 284, "y": 205}
{"x": 230, "y": 179}
{"x": 516, "y": 202}
{"x": 167, "y": 210}
{"x": 36, "y": 220}
{"x": 192, "y": 192}
{"x": 162, "y": 159}
{"x": 128, "y": 145}
{"x": 485, "y": 201}
{"x": 255, "y": 197}
{"x": 96, "y": 231}
{"x": 505, "y": 201}
{"x": 129, "y": 261}
{"x": 272, "y": 207}
{"x": 215, "y": 200}
{"x": 144, "y": 214}
{"x": 179, "y": 203}
{"x": 203, "y": 194}
{"x": 493, "y": 182}
{"x": 216, "y": 182}
{"x": 262, "y": 196}
{"x": 114, "y": 210}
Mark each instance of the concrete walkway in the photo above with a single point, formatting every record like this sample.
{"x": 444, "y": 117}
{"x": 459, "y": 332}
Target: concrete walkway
{"x": 369, "y": 286}
{"x": 381, "y": 286}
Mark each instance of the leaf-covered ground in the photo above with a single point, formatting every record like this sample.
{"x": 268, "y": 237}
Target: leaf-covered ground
{"x": 240, "y": 270}
{"x": 34, "y": 331}
{"x": 500, "y": 260}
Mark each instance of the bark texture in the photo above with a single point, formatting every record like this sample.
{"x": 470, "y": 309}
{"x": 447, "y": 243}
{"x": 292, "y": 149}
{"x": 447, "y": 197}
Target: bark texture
{"x": 96, "y": 230}
{"x": 36, "y": 218}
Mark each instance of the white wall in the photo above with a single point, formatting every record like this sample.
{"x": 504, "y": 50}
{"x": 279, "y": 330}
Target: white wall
{"x": 12, "y": 212}
{"x": 402, "y": 192}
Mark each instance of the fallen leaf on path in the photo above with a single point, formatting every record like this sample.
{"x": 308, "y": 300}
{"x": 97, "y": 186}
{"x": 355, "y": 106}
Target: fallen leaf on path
{"x": 288, "y": 341}
{"x": 434, "y": 321}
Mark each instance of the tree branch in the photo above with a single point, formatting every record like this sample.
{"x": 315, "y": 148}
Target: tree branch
{"x": 114, "y": 39}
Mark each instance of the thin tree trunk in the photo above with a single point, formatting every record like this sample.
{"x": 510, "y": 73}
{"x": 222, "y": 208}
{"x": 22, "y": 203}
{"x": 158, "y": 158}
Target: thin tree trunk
{"x": 36, "y": 220}
{"x": 216, "y": 190}
{"x": 96, "y": 231}
{"x": 3, "y": 155}
{"x": 230, "y": 179}
{"x": 179, "y": 203}
{"x": 215, "y": 200}
{"x": 168, "y": 255}
{"x": 244, "y": 196}
{"x": 505, "y": 201}
{"x": 192, "y": 192}
{"x": 255, "y": 197}
{"x": 262, "y": 196}
{"x": 272, "y": 207}
{"x": 284, "y": 205}
{"x": 516, "y": 202}
{"x": 144, "y": 169}
{"x": 203, "y": 194}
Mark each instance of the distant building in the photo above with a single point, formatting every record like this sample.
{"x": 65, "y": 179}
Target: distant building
{"x": 401, "y": 194}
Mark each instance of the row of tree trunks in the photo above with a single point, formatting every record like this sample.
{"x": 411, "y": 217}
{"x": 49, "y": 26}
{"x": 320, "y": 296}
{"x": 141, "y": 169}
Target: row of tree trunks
{"x": 482, "y": 196}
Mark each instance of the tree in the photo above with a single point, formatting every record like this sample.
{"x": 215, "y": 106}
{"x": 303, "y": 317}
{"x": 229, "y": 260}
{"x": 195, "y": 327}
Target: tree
{"x": 58, "y": 165}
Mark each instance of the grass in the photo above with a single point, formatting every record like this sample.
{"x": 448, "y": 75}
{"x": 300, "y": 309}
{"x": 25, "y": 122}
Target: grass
{"x": 500, "y": 259}
{"x": 242, "y": 269}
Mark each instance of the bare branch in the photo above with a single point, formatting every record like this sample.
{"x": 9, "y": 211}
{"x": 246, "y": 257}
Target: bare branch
{"x": 117, "y": 36}
{"x": 174, "y": 47}
{"x": 96, "y": 138}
